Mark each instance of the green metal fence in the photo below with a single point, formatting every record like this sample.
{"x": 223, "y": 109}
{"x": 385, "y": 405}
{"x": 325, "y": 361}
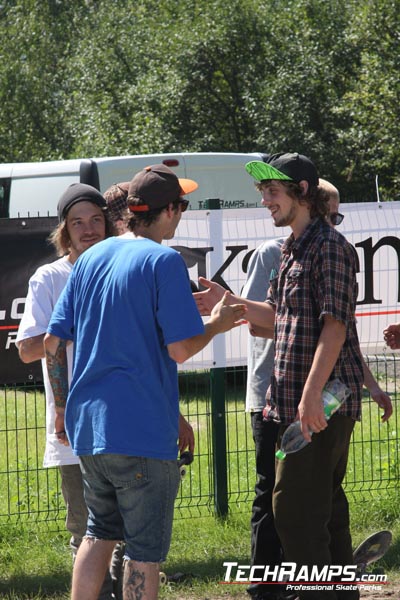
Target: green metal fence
{"x": 222, "y": 476}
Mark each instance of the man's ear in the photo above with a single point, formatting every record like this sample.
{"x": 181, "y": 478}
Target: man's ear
{"x": 169, "y": 209}
{"x": 304, "y": 186}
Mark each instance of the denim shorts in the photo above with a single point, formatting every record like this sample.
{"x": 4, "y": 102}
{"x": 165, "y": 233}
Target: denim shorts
{"x": 131, "y": 498}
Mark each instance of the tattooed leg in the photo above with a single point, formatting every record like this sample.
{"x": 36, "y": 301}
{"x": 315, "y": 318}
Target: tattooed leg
{"x": 141, "y": 580}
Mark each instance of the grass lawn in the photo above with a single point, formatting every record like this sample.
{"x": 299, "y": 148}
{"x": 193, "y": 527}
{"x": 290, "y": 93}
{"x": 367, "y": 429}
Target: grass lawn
{"x": 34, "y": 555}
{"x": 37, "y": 565}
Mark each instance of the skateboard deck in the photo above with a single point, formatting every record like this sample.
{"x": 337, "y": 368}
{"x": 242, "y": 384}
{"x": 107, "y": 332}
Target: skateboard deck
{"x": 373, "y": 548}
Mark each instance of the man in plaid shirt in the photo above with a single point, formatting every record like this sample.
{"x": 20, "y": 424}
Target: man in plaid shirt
{"x": 310, "y": 313}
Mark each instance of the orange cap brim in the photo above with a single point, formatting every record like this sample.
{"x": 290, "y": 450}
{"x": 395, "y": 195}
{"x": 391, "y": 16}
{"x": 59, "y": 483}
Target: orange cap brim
{"x": 187, "y": 186}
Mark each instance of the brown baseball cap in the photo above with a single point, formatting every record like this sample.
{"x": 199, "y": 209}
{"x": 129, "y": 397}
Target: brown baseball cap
{"x": 155, "y": 187}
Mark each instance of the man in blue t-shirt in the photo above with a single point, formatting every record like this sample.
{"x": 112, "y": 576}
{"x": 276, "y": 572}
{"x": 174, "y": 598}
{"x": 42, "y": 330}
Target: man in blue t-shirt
{"x": 129, "y": 309}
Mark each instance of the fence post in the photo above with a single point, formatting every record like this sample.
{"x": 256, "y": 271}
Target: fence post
{"x": 218, "y": 422}
{"x": 217, "y": 380}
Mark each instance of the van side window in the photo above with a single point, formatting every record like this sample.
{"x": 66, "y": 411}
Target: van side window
{"x": 4, "y": 198}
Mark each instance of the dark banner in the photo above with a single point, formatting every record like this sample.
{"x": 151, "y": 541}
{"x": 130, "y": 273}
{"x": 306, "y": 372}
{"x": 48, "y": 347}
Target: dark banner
{"x": 23, "y": 248}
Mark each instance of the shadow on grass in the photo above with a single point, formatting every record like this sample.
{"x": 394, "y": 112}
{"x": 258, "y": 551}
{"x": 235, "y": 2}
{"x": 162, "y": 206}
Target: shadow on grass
{"x": 211, "y": 569}
{"x": 391, "y": 560}
{"x": 29, "y": 586}
{"x": 183, "y": 575}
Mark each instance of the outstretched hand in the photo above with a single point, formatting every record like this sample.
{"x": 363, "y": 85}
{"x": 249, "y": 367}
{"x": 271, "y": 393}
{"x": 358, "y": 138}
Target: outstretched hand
{"x": 391, "y": 335}
{"x": 207, "y": 299}
{"x": 226, "y": 315}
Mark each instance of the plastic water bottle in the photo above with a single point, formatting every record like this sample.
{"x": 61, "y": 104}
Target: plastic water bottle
{"x": 333, "y": 395}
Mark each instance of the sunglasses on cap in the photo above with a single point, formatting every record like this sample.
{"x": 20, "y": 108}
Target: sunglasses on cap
{"x": 336, "y": 218}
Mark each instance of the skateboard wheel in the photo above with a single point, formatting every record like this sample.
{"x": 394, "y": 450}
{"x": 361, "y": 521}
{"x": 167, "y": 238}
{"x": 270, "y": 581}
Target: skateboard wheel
{"x": 163, "y": 578}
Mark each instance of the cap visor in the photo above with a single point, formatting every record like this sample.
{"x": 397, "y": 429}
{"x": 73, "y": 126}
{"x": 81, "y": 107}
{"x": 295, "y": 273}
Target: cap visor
{"x": 187, "y": 186}
{"x": 261, "y": 170}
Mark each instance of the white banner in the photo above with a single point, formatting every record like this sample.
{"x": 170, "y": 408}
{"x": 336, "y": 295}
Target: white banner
{"x": 218, "y": 244}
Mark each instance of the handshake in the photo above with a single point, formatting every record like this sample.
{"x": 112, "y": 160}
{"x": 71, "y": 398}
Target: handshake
{"x": 224, "y": 315}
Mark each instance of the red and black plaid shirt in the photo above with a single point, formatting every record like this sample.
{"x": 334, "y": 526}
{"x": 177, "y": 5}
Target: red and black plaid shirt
{"x": 317, "y": 277}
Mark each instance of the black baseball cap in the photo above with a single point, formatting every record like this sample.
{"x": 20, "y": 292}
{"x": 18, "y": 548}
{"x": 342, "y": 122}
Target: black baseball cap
{"x": 156, "y": 186}
{"x": 285, "y": 166}
{"x": 77, "y": 192}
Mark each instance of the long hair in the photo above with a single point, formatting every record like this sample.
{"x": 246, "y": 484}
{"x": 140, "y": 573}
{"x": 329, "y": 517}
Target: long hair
{"x": 315, "y": 197}
{"x": 61, "y": 241}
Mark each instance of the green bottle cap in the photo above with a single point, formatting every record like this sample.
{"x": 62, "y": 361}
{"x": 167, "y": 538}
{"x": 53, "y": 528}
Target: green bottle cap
{"x": 280, "y": 454}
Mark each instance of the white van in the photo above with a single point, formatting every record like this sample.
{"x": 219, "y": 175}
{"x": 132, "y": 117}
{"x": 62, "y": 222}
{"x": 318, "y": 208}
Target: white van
{"x": 33, "y": 189}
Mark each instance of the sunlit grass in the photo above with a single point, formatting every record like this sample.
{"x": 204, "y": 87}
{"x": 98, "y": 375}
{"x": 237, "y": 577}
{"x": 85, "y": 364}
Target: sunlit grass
{"x": 34, "y": 553}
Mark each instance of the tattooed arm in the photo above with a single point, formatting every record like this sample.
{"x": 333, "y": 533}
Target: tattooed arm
{"x": 56, "y": 360}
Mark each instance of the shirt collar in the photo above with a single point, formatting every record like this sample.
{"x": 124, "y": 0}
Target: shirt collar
{"x": 298, "y": 246}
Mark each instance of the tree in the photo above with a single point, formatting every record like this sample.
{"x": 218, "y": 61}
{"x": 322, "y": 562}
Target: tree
{"x": 113, "y": 77}
{"x": 372, "y": 102}
{"x": 34, "y": 50}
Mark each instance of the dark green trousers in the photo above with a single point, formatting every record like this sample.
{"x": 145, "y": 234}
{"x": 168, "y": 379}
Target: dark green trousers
{"x": 310, "y": 506}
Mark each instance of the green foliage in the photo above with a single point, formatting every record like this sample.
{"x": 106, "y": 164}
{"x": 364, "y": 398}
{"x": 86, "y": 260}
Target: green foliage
{"x": 371, "y": 102}
{"x": 91, "y": 78}
{"x": 34, "y": 51}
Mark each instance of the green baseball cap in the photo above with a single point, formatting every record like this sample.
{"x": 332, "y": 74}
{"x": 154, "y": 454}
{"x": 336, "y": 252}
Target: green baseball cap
{"x": 285, "y": 166}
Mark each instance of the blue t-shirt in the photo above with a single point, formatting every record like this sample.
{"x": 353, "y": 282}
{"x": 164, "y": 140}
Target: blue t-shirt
{"x": 125, "y": 300}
